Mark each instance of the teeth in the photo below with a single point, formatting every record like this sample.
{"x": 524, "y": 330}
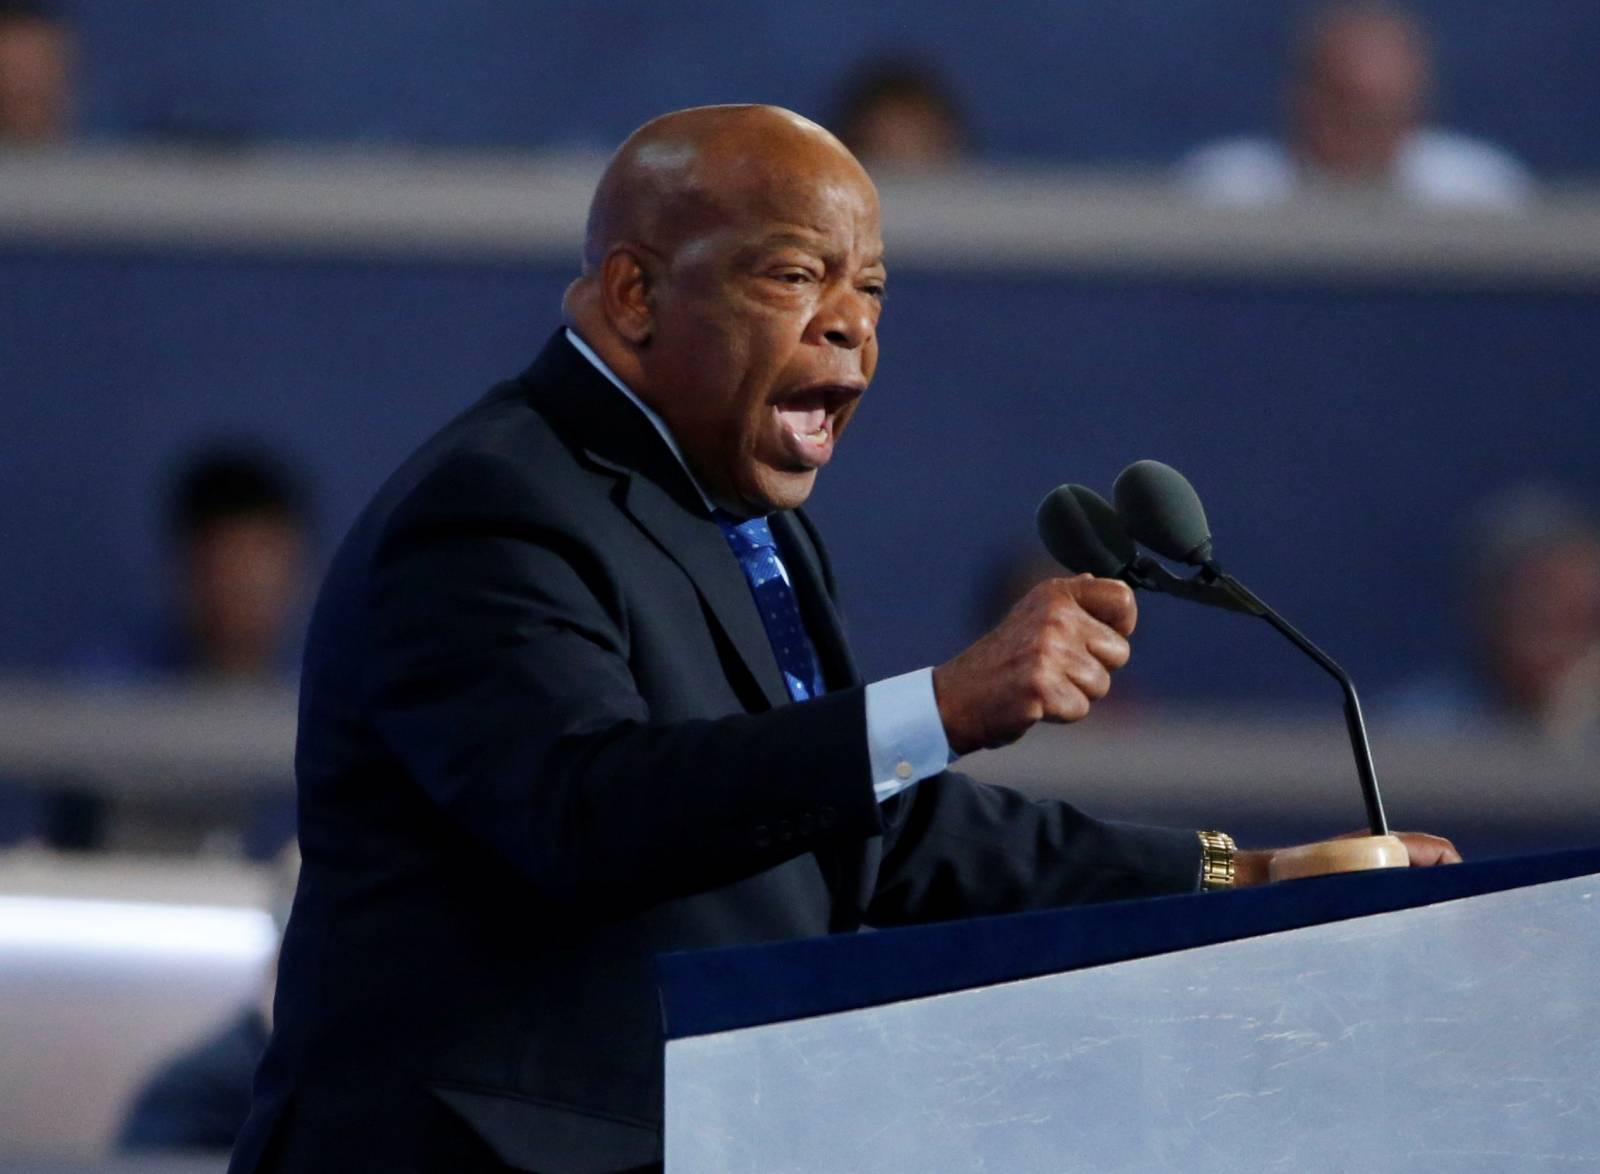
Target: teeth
{"x": 819, "y": 435}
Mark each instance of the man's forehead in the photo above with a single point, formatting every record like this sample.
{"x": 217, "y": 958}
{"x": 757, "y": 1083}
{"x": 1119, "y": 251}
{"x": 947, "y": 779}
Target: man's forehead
{"x": 776, "y": 180}
{"x": 806, "y": 206}
{"x": 817, "y": 240}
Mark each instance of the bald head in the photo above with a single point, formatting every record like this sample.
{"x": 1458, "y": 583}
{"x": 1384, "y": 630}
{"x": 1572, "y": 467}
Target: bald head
{"x": 691, "y": 169}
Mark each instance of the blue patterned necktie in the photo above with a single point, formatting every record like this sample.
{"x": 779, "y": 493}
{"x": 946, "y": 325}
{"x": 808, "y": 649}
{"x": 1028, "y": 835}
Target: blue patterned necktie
{"x": 780, "y": 612}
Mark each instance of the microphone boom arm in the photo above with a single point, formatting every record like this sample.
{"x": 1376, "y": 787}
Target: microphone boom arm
{"x": 1148, "y": 575}
{"x": 1217, "y": 579}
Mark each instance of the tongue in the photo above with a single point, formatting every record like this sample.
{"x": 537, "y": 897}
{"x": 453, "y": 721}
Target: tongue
{"x": 804, "y": 420}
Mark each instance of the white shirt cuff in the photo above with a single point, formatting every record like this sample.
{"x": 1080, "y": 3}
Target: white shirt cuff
{"x": 905, "y": 738}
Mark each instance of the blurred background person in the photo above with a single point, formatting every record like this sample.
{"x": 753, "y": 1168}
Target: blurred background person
{"x": 1357, "y": 106}
{"x": 37, "y": 62}
{"x": 238, "y": 532}
{"x": 1532, "y": 664}
{"x": 901, "y": 115}
{"x": 196, "y": 1100}
{"x": 238, "y": 535}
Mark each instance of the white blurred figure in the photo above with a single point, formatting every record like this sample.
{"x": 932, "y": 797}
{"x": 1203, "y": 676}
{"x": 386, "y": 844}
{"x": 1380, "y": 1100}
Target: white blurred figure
{"x": 1356, "y": 106}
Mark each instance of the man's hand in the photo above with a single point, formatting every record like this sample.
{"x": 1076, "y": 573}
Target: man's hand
{"x": 1049, "y": 660}
{"x": 1425, "y": 850}
{"x": 1250, "y": 868}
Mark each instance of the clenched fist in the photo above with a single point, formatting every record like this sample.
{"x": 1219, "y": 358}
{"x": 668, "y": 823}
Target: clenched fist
{"x": 1049, "y": 660}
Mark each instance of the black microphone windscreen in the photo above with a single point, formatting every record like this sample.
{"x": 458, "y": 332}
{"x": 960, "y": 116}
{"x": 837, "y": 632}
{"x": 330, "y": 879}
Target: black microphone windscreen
{"x": 1083, "y": 533}
{"x": 1161, "y": 509}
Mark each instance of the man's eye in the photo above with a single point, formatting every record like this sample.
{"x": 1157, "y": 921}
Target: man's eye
{"x": 875, "y": 290}
{"x": 793, "y": 276}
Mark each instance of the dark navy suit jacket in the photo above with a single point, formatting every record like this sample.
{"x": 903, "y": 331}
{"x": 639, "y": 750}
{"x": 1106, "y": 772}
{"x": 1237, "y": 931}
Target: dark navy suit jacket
{"x": 543, "y": 737}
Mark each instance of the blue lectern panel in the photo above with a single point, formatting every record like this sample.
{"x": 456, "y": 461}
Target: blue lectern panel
{"x": 1463, "y": 1036}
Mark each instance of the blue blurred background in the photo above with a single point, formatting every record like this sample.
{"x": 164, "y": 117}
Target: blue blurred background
{"x": 1096, "y": 82}
{"x": 1337, "y": 427}
{"x": 316, "y": 231}
{"x": 1337, "y": 431}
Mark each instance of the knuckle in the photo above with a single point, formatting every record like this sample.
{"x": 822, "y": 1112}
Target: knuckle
{"x": 1065, "y": 615}
{"x": 1049, "y": 592}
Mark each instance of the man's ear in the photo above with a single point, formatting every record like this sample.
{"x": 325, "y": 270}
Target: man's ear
{"x": 625, "y": 292}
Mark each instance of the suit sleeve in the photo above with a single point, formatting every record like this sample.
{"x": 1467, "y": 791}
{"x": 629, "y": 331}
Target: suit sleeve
{"x": 955, "y": 847}
{"x": 498, "y": 676}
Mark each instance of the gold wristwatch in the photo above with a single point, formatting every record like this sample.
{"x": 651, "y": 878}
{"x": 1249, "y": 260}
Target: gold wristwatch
{"x": 1216, "y": 861}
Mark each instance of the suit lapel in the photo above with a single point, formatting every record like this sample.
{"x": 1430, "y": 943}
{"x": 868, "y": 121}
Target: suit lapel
{"x": 658, "y": 496}
{"x": 695, "y": 542}
{"x": 804, "y": 563}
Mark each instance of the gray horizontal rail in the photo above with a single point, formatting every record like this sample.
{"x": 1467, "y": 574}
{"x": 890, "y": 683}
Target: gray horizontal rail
{"x": 161, "y": 743}
{"x": 1194, "y": 768}
{"x": 520, "y": 207}
{"x": 156, "y": 880}
{"x": 177, "y": 744}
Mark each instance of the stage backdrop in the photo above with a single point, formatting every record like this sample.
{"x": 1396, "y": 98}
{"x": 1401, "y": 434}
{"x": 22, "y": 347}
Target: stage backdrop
{"x": 1335, "y": 430}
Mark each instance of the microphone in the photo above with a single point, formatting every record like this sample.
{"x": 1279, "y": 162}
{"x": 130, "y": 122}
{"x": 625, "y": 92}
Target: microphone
{"x": 1162, "y": 510}
{"x": 1083, "y": 533}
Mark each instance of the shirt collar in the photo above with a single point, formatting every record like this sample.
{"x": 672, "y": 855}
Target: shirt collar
{"x": 650, "y": 414}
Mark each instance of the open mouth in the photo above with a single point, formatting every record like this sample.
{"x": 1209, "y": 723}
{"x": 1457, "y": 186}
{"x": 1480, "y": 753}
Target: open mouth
{"x": 808, "y": 418}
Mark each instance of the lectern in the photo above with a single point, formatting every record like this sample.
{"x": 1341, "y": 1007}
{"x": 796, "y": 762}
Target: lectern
{"x": 1441, "y": 1019}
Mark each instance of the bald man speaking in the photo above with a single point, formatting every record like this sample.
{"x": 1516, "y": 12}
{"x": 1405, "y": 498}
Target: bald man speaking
{"x": 575, "y": 694}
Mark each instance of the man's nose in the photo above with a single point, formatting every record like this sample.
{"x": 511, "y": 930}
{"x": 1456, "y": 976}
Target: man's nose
{"x": 847, "y": 319}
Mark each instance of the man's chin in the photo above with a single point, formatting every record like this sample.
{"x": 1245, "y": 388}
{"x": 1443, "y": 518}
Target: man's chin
{"x": 772, "y": 490}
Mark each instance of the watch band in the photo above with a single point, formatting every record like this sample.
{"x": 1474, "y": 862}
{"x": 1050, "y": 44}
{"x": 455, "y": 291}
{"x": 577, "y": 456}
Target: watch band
{"x": 1216, "y": 861}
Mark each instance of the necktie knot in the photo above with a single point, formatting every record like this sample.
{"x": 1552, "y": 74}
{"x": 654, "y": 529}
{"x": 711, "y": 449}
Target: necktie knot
{"x": 750, "y": 536}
